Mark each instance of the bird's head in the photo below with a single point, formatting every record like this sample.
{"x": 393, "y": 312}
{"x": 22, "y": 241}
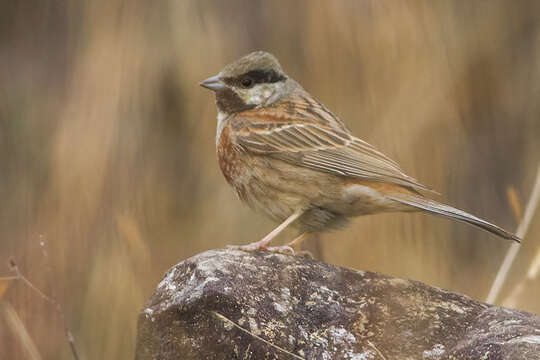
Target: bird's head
{"x": 254, "y": 80}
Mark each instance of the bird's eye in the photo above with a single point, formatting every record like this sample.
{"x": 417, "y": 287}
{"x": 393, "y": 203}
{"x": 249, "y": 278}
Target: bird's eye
{"x": 247, "y": 82}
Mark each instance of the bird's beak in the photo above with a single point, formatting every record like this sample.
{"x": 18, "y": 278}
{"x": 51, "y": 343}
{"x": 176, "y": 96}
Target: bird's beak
{"x": 213, "y": 83}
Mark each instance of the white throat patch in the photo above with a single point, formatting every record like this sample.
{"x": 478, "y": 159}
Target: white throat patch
{"x": 221, "y": 121}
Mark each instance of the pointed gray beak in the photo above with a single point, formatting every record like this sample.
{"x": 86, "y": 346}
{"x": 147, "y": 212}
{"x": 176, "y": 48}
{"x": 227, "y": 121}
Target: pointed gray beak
{"x": 213, "y": 83}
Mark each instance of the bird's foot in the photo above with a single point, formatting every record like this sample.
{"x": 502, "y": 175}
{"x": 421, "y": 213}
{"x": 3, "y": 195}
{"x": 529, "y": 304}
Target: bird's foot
{"x": 249, "y": 247}
{"x": 263, "y": 244}
{"x": 257, "y": 247}
{"x": 287, "y": 250}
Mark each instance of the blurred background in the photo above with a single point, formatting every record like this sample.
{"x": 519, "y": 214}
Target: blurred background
{"x": 108, "y": 174}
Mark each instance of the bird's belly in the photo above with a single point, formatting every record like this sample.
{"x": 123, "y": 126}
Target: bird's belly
{"x": 278, "y": 189}
{"x": 273, "y": 187}
{"x": 266, "y": 188}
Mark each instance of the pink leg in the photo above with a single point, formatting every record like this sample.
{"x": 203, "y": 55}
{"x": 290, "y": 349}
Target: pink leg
{"x": 300, "y": 239}
{"x": 289, "y": 248}
{"x": 263, "y": 244}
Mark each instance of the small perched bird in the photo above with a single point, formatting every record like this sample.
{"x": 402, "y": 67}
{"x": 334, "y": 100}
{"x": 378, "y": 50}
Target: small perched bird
{"x": 288, "y": 156}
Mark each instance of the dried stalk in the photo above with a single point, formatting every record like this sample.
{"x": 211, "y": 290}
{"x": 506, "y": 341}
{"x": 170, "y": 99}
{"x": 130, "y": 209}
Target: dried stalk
{"x": 512, "y": 299}
{"x": 17, "y": 326}
{"x": 69, "y": 336}
{"x": 225, "y": 319}
{"x": 514, "y": 248}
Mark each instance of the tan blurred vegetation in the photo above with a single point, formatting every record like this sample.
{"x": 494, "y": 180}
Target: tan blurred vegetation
{"x": 107, "y": 143}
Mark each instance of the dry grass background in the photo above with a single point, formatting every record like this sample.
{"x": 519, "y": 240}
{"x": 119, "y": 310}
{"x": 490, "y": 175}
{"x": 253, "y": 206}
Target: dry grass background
{"x": 107, "y": 144}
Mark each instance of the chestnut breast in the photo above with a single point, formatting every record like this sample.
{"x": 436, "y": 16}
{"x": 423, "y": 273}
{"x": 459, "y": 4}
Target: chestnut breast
{"x": 229, "y": 158}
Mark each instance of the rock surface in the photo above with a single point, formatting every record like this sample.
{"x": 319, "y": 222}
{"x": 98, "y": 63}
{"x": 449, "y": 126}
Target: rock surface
{"x": 226, "y": 304}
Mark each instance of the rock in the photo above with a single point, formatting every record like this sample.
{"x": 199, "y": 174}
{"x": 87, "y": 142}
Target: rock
{"x": 226, "y": 304}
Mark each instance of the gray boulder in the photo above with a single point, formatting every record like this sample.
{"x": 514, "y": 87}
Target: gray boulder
{"x": 226, "y": 304}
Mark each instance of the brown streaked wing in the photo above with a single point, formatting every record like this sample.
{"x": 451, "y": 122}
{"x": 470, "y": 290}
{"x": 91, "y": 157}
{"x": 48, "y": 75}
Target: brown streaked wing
{"x": 315, "y": 139}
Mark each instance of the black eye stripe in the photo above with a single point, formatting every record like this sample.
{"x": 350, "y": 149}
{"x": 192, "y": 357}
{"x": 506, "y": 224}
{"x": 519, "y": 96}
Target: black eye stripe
{"x": 268, "y": 76}
{"x": 258, "y": 77}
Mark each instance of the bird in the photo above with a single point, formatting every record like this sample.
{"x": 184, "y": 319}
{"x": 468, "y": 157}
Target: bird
{"x": 288, "y": 156}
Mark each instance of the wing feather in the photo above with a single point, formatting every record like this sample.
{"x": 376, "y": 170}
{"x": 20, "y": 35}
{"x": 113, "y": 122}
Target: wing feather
{"x": 309, "y": 135}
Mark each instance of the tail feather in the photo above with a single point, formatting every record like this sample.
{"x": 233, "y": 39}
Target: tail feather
{"x": 437, "y": 208}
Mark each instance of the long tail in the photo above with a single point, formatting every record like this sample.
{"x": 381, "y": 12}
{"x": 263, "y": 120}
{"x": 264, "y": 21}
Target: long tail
{"x": 437, "y": 208}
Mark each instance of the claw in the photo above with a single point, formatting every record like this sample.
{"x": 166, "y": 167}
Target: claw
{"x": 256, "y": 247}
{"x": 287, "y": 250}
{"x": 247, "y": 248}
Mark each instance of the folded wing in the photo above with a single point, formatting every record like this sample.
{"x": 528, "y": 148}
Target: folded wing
{"x": 305, "y": 133}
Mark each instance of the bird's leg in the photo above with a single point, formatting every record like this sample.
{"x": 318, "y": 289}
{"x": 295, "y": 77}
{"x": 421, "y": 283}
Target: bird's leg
{"x": 300, "y": 239}
{"x": 293, "y": 245}
{"x": 263, "y": 244}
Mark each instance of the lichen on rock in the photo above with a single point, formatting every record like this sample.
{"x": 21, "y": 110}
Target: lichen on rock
{"x": 226, "y": 304}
